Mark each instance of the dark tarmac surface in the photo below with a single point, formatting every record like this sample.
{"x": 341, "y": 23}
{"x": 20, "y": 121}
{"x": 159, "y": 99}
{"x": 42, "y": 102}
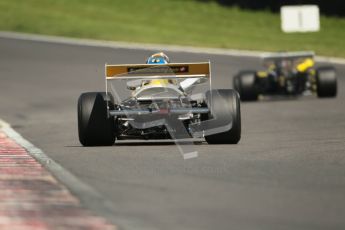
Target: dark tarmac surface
{"x": 288, "y": 171}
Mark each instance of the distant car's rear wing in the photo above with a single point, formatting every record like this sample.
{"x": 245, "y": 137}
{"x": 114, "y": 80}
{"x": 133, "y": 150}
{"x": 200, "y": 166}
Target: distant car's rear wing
{"x": 288, "y": 56}
{"x": 166, "y": 71}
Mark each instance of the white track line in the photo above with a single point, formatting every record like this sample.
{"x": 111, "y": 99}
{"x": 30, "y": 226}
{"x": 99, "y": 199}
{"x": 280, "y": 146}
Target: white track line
{"x": 146, "y": 46}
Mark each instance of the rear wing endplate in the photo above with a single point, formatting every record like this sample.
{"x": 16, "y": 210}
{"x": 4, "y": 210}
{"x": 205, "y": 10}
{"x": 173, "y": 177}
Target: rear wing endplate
{"x": 165, "y": 71}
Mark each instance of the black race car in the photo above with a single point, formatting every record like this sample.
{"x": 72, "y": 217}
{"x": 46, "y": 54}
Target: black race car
{"x": 287, "y": 73}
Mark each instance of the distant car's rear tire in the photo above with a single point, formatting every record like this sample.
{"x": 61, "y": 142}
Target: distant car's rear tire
{"x": 326, "y": 82}
{"x": 225, "y": 105}
{"x": 244, "y": 83}
{"x": 95, "y": 128}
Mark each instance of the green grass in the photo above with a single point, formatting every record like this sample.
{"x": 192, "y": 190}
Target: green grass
{"x": 184, "y": 22}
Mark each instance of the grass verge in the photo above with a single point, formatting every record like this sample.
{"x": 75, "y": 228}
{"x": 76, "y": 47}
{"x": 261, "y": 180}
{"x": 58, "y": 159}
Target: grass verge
{"x": 183, "y": 22}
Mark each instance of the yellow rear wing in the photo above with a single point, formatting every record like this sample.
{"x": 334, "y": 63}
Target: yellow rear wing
{"x": 165, "y": 71}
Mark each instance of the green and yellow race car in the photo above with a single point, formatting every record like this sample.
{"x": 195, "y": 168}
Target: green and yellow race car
{"x": 289, "y": 74}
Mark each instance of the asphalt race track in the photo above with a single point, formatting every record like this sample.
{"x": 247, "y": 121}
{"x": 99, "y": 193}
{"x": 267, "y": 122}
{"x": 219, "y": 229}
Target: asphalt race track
{"x": 288, "y": 172}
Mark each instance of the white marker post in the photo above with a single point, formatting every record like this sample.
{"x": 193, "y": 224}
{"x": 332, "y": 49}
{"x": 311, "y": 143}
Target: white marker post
{"x": 304, "y": 18}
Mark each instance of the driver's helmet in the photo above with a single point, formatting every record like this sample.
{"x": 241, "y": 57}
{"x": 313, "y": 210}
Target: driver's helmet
{"x": 158, "y": 58}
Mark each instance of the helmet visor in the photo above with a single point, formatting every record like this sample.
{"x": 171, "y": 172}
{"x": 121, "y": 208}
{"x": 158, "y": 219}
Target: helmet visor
{"x": 156, "y": 60}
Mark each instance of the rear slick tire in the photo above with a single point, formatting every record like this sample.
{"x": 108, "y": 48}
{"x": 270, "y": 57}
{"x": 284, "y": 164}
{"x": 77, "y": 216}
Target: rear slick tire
{"x": 95, "y": 128}
{"x": 225, "y": 105}
{"x": 326, "y": 82}
{"x": 245, "y": 84}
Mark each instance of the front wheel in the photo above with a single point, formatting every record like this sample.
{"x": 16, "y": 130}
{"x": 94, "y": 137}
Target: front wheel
{"x": 326, "y": 82}
{"x": 224, "y": 105}
{"x": 95, "y": 127}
